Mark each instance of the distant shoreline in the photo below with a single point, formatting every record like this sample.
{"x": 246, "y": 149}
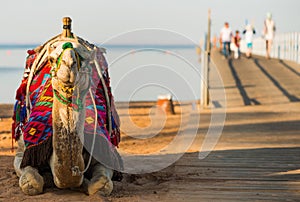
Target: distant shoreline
{"x": 108, "y": 46}
{"x": 6, "y": 109}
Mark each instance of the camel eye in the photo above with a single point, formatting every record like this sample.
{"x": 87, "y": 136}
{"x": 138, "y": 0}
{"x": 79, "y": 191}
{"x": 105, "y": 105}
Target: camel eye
{"x": 52, "y": 60}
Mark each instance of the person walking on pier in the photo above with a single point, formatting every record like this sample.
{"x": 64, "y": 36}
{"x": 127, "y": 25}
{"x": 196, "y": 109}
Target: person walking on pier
{"x": 225, "y": 38}
{"x": 249, "y": 32}
{"x": 235, "y": 45}
{"x": 269, "y": 33}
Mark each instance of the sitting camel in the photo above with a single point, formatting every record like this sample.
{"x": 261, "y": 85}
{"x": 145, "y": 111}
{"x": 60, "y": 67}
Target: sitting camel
{"x": 60, "y": 118}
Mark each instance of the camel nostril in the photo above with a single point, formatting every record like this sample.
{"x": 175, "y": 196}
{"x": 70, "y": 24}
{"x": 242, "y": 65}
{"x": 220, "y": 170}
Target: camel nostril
{"x": 72, "y": 77}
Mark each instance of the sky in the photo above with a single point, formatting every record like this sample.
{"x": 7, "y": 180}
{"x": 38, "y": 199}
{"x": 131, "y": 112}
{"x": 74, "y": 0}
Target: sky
{"x": 35, "y": 21}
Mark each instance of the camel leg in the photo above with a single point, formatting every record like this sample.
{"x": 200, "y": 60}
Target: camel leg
{"x": 31, "y": 182}
{"x": 19, "y": 156}
{"x": 100, "y": 181}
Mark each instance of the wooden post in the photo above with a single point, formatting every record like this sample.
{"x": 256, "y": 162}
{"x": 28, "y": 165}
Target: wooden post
{"x": 208, "y": 44}
{"x": 67, "y": 27}
{"x": 205, "y": 66}
{"x": 204, "y": 83}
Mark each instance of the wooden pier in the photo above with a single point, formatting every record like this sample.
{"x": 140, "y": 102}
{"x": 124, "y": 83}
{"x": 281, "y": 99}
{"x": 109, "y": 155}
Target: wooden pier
{"x": 257, "y": 157}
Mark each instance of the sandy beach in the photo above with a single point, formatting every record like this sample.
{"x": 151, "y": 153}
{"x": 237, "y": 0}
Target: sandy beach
{"x": 131, "y": 188}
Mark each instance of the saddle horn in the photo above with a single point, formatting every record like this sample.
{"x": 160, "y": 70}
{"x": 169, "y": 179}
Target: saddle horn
{"x": 67, "y": 21}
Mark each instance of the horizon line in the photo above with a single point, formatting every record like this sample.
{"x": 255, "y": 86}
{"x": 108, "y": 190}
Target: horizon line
{"x": 116, "y": 45}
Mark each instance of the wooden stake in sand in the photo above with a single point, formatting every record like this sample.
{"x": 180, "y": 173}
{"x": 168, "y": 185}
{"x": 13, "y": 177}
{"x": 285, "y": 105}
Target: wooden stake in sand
{"x": 165, "y": 103}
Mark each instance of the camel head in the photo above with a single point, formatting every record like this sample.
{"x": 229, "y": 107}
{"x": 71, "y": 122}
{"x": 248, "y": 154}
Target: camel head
{"x": 66, "y": 64}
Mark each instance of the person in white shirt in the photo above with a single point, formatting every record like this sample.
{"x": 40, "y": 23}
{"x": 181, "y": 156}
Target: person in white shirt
{"x": 249, "y": 32}
{"x": 225, "y": 38}
{"x": 269, "y": 33}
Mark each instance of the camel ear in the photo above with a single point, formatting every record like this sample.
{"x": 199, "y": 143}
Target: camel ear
{"x": 54, "y": 50}
{"x": 93, "y": 54}
{"x": 82, "y": 51}
{"x": 52, "y": 61}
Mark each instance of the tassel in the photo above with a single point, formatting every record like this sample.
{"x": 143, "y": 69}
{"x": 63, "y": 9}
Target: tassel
{"x": 12, "y": 145}
{"x": 38, "y": 155}
{"x": 13, "y": 136}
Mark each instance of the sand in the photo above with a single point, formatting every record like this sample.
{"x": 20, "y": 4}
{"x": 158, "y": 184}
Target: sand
{"x": 132, "y": 188}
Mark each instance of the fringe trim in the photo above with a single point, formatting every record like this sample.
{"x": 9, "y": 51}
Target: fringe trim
{"x": 39, "y": 155}
{"x": 117, "y": 176}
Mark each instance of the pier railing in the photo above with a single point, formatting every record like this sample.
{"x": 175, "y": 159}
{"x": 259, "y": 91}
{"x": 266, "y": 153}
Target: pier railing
{"x": 285, "y": 46}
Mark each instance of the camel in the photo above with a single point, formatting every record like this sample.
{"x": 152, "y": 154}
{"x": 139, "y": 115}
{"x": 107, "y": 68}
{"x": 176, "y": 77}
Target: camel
{"x": 69, "y": 160}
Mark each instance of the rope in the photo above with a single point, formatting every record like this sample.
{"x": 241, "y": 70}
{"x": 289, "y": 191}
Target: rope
{"x": 61, "y": 98}
{"x": 96, "y": 113}
{"x": 106, "y": 97}
{"x": 95, "y": 131}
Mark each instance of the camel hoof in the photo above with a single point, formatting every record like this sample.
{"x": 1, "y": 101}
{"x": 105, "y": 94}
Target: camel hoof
{"x": 31, "y": 182}
{"x": 104, "y": 185}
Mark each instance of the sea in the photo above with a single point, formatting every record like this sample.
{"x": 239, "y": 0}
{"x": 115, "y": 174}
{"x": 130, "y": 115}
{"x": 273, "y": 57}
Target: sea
{"x": 137, "y": 72}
